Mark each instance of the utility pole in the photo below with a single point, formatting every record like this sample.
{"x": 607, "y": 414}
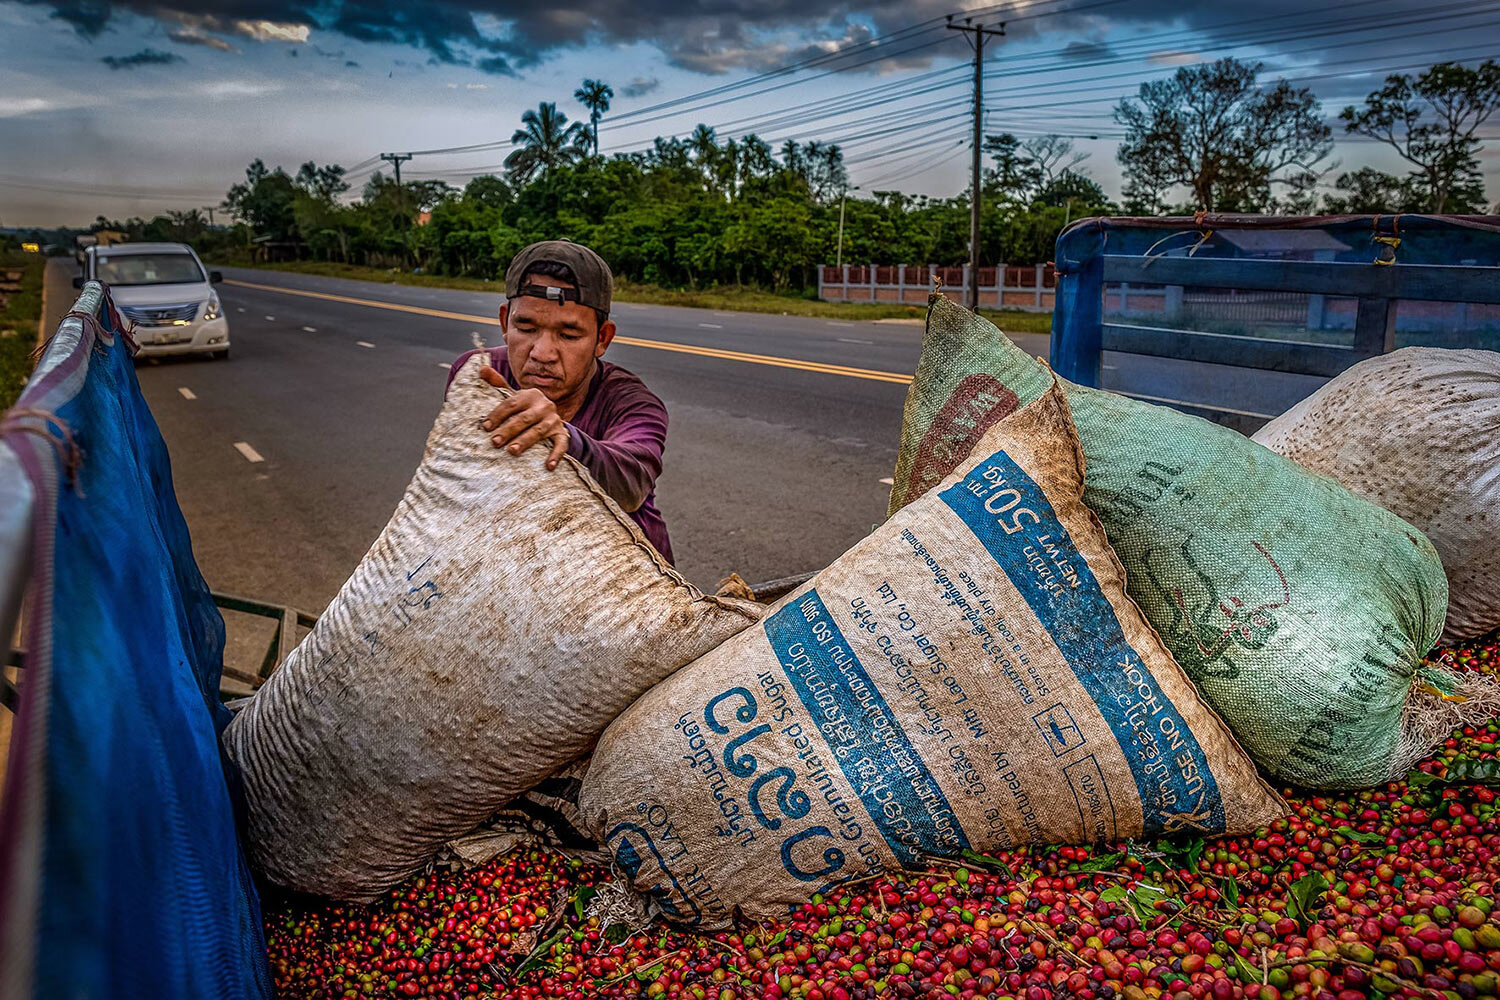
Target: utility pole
{"x": 210, "y": 210}
{"x": 395, "y": 160}
{"x": 976, "y": 34}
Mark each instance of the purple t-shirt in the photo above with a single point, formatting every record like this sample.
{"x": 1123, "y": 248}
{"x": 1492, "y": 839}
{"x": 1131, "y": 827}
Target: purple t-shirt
{"x": 619, "y": 434}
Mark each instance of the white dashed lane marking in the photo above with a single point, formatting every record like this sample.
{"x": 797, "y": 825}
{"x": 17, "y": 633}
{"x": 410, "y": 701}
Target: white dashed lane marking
{"x": 239, "y": 309}
{"x": 444, "y": 364}
{"x": 309, "y": 329}
{"x": 270, "y": 319}
{"x": 364, "y": 343}
{"x": 186, "y": 392}
{"x": 851, "y": 340}
{"x": 838, "y": 322}
{"x": 251, "y": 455}
{"x": 712, "y": 326}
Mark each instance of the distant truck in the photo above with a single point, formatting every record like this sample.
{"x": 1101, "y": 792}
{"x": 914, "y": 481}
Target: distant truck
{"x": 100, "y": 238}
{"x": 165, "y": 291}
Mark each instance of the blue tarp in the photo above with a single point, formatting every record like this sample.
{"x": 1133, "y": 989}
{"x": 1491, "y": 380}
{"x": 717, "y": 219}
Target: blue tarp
{"x": 120, "y": 871}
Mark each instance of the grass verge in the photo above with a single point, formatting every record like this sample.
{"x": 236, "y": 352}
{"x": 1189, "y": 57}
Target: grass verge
{"x": 729, "y": 298}
{"x": 19, "y": 313}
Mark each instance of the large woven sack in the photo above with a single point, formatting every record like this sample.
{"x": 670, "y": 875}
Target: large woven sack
{"x": 971, "y": 676}
{"x": 1300, "y": 611}
{"x": 1417, "y": 432}
{"x": 503, "y": 617}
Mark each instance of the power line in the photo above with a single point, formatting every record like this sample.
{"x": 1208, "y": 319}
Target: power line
{"x": 844, "y": 104}
{"x": 766, "y": 124}
{"x": 925, "y": 45}
{"x": 641, "y": 116}
{"x": 813, "y": 118}
{"x": 40, "y": 184}
{"x": 921, "y": 27}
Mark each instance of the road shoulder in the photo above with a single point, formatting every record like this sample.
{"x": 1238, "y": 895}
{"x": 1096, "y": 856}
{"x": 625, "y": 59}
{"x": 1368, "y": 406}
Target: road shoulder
{"x": 58, "y": 295}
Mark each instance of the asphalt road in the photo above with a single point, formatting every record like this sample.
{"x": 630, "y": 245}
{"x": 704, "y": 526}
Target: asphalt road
{"x": 770, "y": 470}
{"x": 289, "y": 457}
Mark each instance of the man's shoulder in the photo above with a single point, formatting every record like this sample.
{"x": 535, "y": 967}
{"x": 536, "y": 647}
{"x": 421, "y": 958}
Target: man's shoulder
{"x": 623, "y": 384}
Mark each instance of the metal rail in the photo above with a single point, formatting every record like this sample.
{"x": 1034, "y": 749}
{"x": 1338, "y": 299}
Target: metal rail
{"x": 1376, "y": 285}
{"x": 17, "y": 501}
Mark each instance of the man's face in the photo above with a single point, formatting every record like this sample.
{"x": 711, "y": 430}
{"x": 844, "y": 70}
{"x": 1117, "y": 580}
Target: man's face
{"x": 552, "y": 345}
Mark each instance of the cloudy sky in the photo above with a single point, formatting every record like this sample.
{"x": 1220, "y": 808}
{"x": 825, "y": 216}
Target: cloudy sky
{"x": 134, "y": 108}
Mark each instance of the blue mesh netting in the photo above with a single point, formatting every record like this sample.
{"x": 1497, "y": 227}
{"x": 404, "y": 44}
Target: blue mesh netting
{"x": 144, "y": 889}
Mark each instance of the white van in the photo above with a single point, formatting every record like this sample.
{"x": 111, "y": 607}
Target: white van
{"x": 164, "y": 289}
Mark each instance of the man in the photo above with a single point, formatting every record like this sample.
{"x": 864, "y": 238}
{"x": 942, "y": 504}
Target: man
{"x": 556, "y": 326}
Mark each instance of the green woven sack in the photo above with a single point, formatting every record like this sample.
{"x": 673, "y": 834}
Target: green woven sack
{"x": 1300, "y": 611}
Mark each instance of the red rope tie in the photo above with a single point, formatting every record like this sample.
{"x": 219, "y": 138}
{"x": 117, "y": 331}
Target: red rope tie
{"x": 30, "y": 420}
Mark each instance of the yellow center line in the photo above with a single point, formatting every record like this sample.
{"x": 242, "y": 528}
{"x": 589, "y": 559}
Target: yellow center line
{"x": 798, "y": 364}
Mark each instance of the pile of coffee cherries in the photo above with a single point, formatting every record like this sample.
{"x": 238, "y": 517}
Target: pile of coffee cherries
{"x": 1381, "y": 893}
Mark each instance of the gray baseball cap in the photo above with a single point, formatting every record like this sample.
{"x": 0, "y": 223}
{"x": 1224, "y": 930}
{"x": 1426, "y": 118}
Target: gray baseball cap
{"x": 595, "y": 287}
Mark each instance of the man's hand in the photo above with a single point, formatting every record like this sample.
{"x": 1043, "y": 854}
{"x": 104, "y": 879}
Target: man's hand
{"x": 524, "y": 418}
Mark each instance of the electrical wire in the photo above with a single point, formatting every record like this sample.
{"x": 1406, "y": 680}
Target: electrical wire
{"x": 40, "y": 184}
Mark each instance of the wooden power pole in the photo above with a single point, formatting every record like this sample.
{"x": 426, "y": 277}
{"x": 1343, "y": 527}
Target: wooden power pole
{"x": 395, "y": 160}
{"x": 976, "y": 34}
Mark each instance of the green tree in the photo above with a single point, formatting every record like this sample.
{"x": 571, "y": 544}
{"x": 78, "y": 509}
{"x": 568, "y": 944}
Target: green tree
{"x": 1052, "y": 156}
{"x": 1072, "y": 188}
{"x": 547, "y": 140}
{"x": 489, "y": 191}
{"x": 326, "y": 182}
{"x": 704, "y": 146}
{"x": 1014, "y": 174}
{"x": 594, "y": 95}
{"x": 1432, "y": 122}
{"x": 1368, "y": 191}
{"x": 265, "y": 201}
{"x": 1214, "y": 129}
{"x": 324, "y": 224}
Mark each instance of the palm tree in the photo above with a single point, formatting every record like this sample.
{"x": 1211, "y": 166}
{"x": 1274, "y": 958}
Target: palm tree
{"x": 546, "y": 139}
{"x": 594, "y": 95}
{"x": 705, "y": 147}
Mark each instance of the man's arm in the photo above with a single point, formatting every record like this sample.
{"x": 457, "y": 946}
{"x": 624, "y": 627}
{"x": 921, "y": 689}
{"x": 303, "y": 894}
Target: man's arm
{"x": 627, "y": 459}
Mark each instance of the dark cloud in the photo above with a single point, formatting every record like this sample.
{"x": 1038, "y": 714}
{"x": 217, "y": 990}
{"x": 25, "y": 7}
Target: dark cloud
{"x": 498, "y": 65}
{"x": 87, "y": 17}
{"x": 640, "y": 86}
{"x": 706, "y": 36}
{"x": 145, "y": 57}
{"x": 1087, "y": 50}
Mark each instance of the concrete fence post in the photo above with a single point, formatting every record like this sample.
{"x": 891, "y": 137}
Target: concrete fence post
{"x": 1315, "y": 305}
{"x": 1174, "y": 300}
{"x": 1040, "y": 271}
{"x": 844, "y": 288}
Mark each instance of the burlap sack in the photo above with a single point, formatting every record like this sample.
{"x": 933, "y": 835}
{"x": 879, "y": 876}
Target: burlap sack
{"x": 970, "y": 676}
{"x": 1417, "y": 432}
{"x": 503, "y": 617}
{"x": 1300, "y": 611}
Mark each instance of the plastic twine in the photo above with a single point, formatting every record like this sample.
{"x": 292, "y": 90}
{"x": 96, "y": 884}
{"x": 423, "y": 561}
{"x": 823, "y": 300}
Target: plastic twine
{"x": 30, "y": 420}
